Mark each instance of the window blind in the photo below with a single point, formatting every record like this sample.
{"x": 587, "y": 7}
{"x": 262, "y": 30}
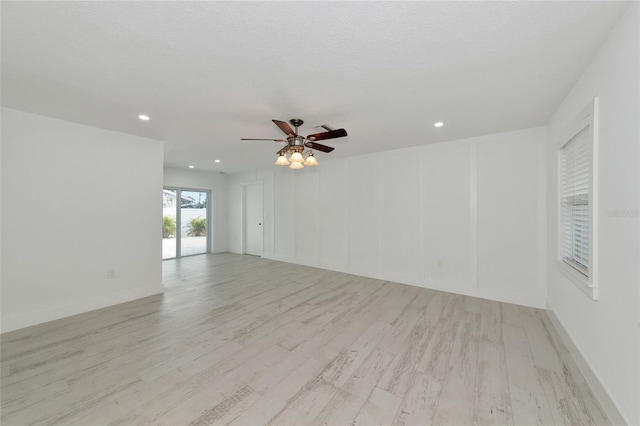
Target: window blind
{"x": 575, "y": 169}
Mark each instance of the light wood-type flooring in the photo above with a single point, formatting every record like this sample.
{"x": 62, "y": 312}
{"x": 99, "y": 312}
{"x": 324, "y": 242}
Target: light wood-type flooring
{"x": 246, "y": 341}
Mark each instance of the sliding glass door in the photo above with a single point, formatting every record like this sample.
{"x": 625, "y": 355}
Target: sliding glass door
{"x": 169, "y": 220}
{"x": 185, "y": 222}
{"x": 193, "y": 215}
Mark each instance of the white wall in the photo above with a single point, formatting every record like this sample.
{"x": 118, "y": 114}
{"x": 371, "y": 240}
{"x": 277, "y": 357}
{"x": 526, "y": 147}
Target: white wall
{"x": 606, "y": 331}
{"x": 217, "y": 184}
{"x": 466, "y": 216}
{"x": 76, "y": 202}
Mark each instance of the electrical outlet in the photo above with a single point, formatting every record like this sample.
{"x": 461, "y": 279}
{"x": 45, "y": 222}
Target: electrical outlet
{"x": 111, "y": 274}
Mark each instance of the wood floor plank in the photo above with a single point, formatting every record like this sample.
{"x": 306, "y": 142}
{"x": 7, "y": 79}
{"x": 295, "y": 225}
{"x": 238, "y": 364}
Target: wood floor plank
{"x": 408, "y": 356}
{"x": 204, "y": 373}
{"x": 18, "y": 400}
{"x": 457, "y": 395}
{"x": 188, "y": 357}
{"x": 122, "y": 403}
{"x": 152, "y": 412}
{"x": 344, "y": 365}
{"x": 528, "y": 399}
{"x": 493, "y": 400}
{"x": 227, "y": 410}
{"x": 491, "y": 326}
{"x": 571, "y": 372}
{"x": 379, "y": 409}
{"x": 472, "y": 305}
{"x": 276, "y": 400}
{"x": 435, "y": 360}
{"x": 543, "y": 348}
{"x": 420, "y": 404}
{"x": 248, "y": 341}
{"x": 511, "y": 314}
{"x": 350, "y": 398}
{"x": 560, "y": 375}
{"x": 521, "y": 365}
{"x": 403, "y": 325}
{"x": 530, "y": 408}
{"x": 564, "y": 409}
{"x": 306, "y": 404}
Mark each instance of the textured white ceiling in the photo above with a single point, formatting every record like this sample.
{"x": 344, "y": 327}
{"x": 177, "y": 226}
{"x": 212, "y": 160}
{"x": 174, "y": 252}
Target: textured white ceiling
{"x": 209, "y": 73}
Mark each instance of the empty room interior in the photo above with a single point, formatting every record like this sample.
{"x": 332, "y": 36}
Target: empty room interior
{"x": 373, "y": 213}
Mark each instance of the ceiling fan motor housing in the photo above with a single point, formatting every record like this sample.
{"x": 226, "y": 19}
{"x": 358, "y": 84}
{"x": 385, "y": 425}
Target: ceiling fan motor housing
{"x": 295, "y": 142}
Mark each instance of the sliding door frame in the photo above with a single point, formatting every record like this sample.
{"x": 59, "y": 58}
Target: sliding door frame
{"x": 209, "y": 218}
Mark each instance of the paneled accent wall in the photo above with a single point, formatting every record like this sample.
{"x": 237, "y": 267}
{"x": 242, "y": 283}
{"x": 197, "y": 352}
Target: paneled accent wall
{"x": 462, "y": 216}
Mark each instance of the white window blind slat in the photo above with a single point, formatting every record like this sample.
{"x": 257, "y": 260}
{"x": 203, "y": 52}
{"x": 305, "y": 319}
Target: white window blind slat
{"x": 575, "y": 165}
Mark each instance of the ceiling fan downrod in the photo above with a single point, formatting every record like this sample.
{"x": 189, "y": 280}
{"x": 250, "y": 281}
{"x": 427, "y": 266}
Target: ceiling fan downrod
{"x": 296, "y": 122}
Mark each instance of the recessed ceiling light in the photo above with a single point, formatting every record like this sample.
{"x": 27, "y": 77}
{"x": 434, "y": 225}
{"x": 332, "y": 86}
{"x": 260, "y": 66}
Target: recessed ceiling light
{"x": 191, "y": 167}
{"x": 217, "y": 161}
{"x": 438, "y": 124}
{"x": 144, "y": 117}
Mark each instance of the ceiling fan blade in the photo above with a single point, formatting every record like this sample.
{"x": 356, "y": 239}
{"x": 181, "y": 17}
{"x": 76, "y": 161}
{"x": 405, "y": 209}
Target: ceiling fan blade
{"x": 339, "y": 133}
{"x": 326, "y": 127}
{"x": 319, "y": 146}
{"x": 284, "y": 127}
{"x": 283, "y": 150}
{"x": 249, "y": 139}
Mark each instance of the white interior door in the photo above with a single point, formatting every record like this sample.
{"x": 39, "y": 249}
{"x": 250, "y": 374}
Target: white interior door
{"x": 253, "y": 219}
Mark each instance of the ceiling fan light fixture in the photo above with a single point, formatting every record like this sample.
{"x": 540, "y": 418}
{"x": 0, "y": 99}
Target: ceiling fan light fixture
{"x": 282, "y": 160}
{"x": 311, "y": 160}
{"x": 295, "y": 151}
{"x": 296, "y": 157}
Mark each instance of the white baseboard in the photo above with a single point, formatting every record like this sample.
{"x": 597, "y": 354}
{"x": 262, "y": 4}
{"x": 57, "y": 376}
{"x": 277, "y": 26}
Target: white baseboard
{"x": 458, "y": 288}
{"x": 608, "y": 405}
{"x": 57, "y": 312}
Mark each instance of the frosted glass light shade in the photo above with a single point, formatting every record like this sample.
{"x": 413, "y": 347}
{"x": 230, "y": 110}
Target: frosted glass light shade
{"x": 296, "y": 165}
{"x": 282, "y": 161}
{"x": 311, "y": 160}
{"x": 296, "y": 157}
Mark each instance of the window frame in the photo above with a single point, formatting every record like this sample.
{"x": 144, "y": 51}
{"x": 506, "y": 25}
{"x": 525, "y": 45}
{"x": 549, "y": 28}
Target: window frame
{"x": 587, "y": 119}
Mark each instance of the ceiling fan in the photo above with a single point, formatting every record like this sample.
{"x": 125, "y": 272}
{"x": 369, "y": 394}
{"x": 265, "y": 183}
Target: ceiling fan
{"x": 296, "y": 143}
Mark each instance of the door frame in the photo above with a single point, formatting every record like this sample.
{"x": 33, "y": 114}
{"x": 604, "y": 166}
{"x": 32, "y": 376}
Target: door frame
{"x": 243, "y": 236}
{"x": 179, "y": 190}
